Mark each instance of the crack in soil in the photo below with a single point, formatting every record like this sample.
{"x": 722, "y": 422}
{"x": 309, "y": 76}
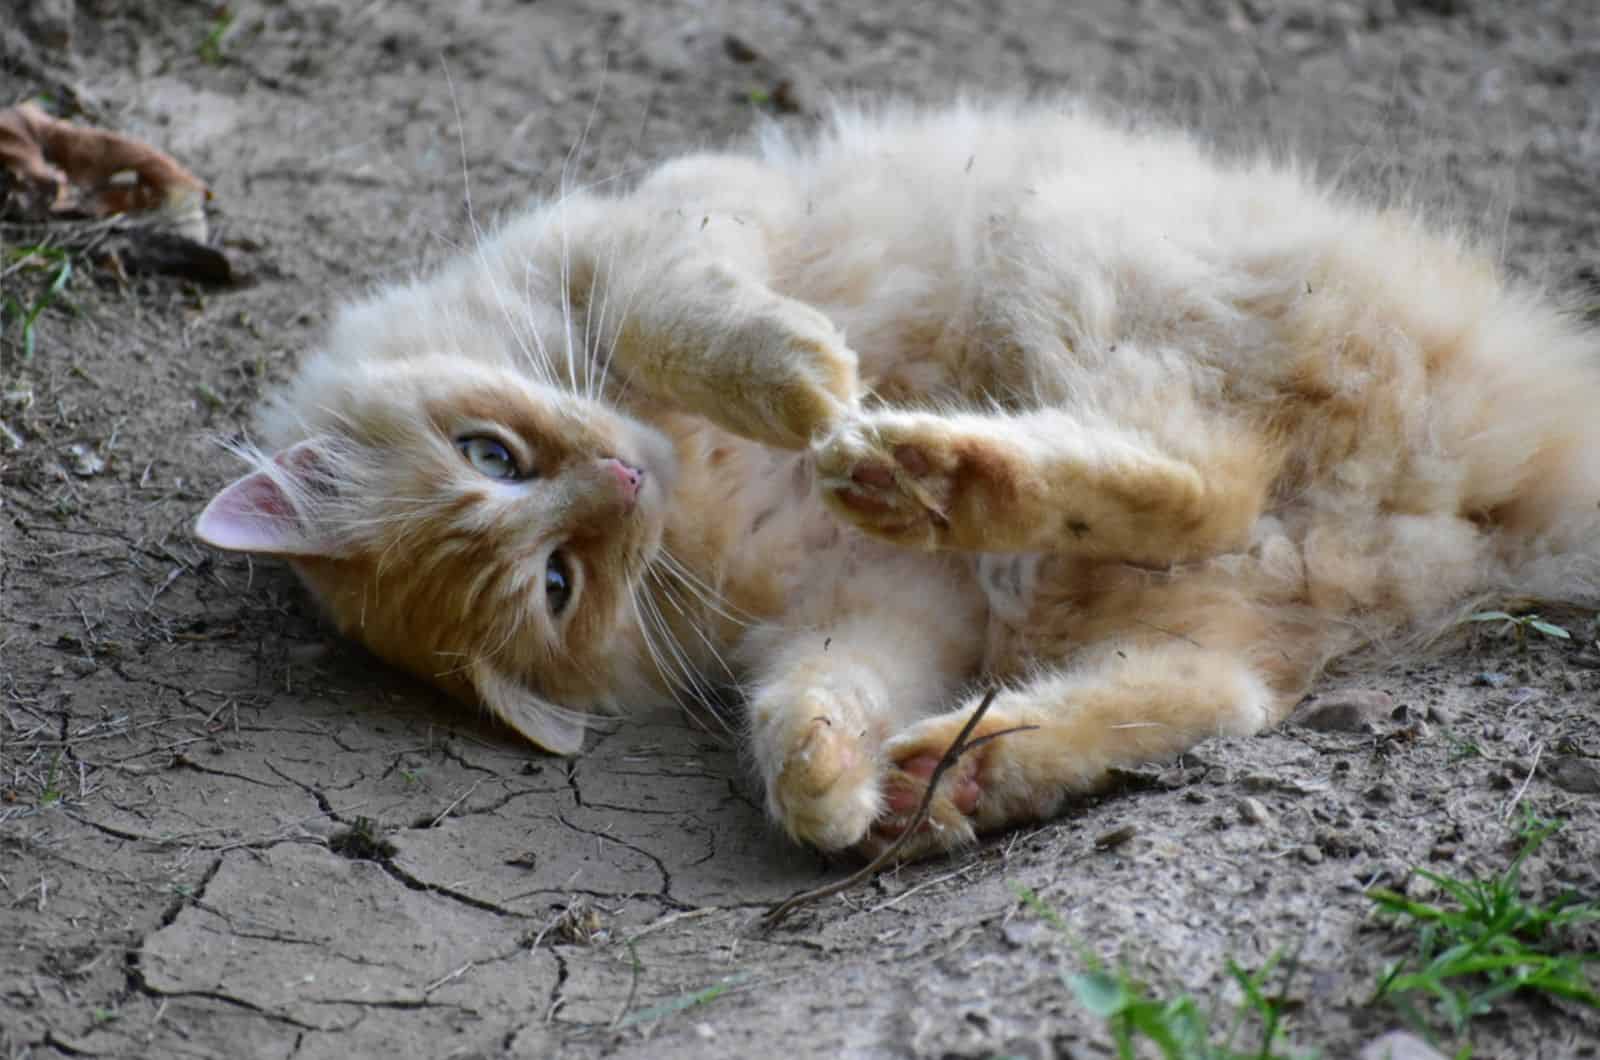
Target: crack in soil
{"x": 384, "y": 859}
{"x": 433, "y": 820}
{"x": 558, "y": 990}
{"x": 665, "y": 893}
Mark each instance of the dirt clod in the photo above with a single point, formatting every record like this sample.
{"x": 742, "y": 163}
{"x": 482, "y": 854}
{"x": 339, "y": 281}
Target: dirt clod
{"x": 1350, "y": 710}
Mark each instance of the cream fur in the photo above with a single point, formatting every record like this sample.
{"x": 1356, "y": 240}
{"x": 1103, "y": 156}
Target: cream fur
{"x": 989, "y": 393}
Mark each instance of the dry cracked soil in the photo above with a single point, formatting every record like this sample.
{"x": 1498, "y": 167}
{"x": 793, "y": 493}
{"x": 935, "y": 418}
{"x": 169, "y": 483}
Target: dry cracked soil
{"x": 225, "y": 834}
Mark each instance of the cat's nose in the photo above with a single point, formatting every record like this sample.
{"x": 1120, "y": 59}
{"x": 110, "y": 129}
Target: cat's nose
{"x": 628, "y": 477}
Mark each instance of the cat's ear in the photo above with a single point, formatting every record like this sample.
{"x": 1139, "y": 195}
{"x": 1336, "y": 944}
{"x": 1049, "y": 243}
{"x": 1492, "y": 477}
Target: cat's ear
{"x": 258, "y": 513}
{"x": 556, "y": 729}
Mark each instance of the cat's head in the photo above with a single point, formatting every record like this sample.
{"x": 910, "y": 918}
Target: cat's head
{"x": 476, "y": 526}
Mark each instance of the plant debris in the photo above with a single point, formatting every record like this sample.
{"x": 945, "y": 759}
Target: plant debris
{"x": 59, "y": 168}
{"x": 128, "y": 205}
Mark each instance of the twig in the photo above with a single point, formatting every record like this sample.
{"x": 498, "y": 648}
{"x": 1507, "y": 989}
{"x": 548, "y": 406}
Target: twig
{"x": 633, "y": 986}
{"x": 447, "y": 977}
{"x": 958, "y": 747}
{"x": 459, "y": 800}
{"x": 1512, "y": 805}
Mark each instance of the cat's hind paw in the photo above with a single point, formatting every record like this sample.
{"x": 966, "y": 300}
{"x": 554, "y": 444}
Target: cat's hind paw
{"x": 971, "y": 796}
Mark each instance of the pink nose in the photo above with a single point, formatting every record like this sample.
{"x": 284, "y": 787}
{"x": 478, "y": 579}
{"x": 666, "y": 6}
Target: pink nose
{"x": 626, "y": 475}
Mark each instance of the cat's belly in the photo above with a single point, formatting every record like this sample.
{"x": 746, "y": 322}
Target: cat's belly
{"x": 813, "y": 567}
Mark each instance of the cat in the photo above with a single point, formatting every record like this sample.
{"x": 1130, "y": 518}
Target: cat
{"x": 933, "y": 399}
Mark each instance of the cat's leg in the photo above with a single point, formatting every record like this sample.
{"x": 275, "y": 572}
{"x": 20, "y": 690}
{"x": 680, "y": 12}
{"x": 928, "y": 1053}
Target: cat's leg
{"x": 678, "y": 277}
{"x": 711, "y": 338}
{"x": 1151, "y": 663}
{"x": 1051, "y": 480}
{"x": 1127, "y": 707}
{"x": 829, "y": 698}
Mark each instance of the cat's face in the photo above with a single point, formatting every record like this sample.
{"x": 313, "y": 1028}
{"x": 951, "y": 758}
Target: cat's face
{"x": 481, "y": 529}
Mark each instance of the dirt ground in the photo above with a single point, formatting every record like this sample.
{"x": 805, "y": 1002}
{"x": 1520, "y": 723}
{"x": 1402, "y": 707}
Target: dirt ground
{"x": 223, "y": 833}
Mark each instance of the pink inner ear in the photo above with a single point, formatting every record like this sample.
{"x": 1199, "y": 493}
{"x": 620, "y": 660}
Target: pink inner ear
{"x": 252, "y": 515}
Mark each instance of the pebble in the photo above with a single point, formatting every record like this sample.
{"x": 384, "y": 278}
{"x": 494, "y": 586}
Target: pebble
{"x": 1581, "y": 776}
{"x": 1352, "y": 710}
{"x": 1116, "y": 837}
{"x": 1491, "y": 679}
{"x": 86, "y": 463}
{"x": 1400, "y": 1045}
{"x": 1311, "y": 854}
{"x": 1251, "y": 811}
{"x": 1380, "y": 792}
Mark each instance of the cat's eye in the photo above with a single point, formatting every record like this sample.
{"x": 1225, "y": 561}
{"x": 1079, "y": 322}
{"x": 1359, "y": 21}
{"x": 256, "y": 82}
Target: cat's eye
{"x": 489, "y": 456}
{"x": 557, "y": 583}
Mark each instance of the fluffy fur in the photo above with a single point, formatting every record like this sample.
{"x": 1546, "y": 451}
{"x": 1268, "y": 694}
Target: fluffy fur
{"x": 988, "y": 394}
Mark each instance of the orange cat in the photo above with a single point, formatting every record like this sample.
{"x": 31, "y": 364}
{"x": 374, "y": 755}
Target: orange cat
{"x": 989, "y": 394}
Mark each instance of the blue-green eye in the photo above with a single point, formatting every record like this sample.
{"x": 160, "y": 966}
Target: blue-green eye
{"x": 489, "y": 456}
{"x": 557, "y": 583}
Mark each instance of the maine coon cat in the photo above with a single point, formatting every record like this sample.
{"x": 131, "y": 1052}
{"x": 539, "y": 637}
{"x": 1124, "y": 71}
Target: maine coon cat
{"x": 939, "y": 398}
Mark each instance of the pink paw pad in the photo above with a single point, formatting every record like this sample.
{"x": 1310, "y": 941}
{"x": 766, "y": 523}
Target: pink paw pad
{"x": 959, "y": 786}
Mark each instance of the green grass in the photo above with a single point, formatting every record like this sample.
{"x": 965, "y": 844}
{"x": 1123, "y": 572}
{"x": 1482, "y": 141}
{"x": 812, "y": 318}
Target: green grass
{"x": 672, "y": 1006}
{"x": 1521, "y": 624}
{"x": 1179, "y": 1028}
{"x": 210, "y": 50}
{"x": 51, "y": 793}
{"x": 22, "y": 317}
{"x": 1483, "y": 942}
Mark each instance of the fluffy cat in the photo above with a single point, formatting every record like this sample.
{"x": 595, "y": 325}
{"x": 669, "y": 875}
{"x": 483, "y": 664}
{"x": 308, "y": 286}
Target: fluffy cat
{"x": 937, "y": 398}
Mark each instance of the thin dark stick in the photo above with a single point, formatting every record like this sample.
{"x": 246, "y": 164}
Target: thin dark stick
{"x": 958, "y": 747}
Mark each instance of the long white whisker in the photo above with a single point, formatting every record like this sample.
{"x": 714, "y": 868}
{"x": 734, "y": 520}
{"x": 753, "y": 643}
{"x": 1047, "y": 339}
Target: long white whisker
{"x": 662, "y": 580}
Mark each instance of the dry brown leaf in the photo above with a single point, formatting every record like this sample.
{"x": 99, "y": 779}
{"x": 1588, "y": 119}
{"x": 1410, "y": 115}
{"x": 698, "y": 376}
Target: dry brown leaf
{"x": 75, "y": 169}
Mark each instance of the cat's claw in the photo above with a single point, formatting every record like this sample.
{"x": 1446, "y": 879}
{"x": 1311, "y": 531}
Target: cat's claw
{"x": 892, "y": 476}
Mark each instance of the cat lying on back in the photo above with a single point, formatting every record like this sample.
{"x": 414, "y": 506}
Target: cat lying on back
{"x": 990, "y": 394}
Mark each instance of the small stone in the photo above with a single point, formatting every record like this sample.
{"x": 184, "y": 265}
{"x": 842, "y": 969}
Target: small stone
{"x": 1571, "y": 682}
{"x": 1380, "y": 792}
{"x": 705, "y": 1031}
{"x": 1311, "y": 854}
{"x": 1421, "y": 889}
{"x": 1251, "y": 811}
{"x": 1491, "y": 679}
{"x": 86, "y": 463}
{"x": 738, "y": 49}
{"x": 1581, "y": 776}
{"x": 1116, "y": 837}
{"x": 1438, "y": 715}
{"x": 1352, "y": 710}
{"x": 1400, "y": 1045}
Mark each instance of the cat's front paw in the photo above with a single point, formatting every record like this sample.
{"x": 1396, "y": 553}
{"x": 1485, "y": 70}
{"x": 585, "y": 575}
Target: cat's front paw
{"x": 826, "y": 789}
{"x": 894, "y": 475}
{"x": 792, "y": 379}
